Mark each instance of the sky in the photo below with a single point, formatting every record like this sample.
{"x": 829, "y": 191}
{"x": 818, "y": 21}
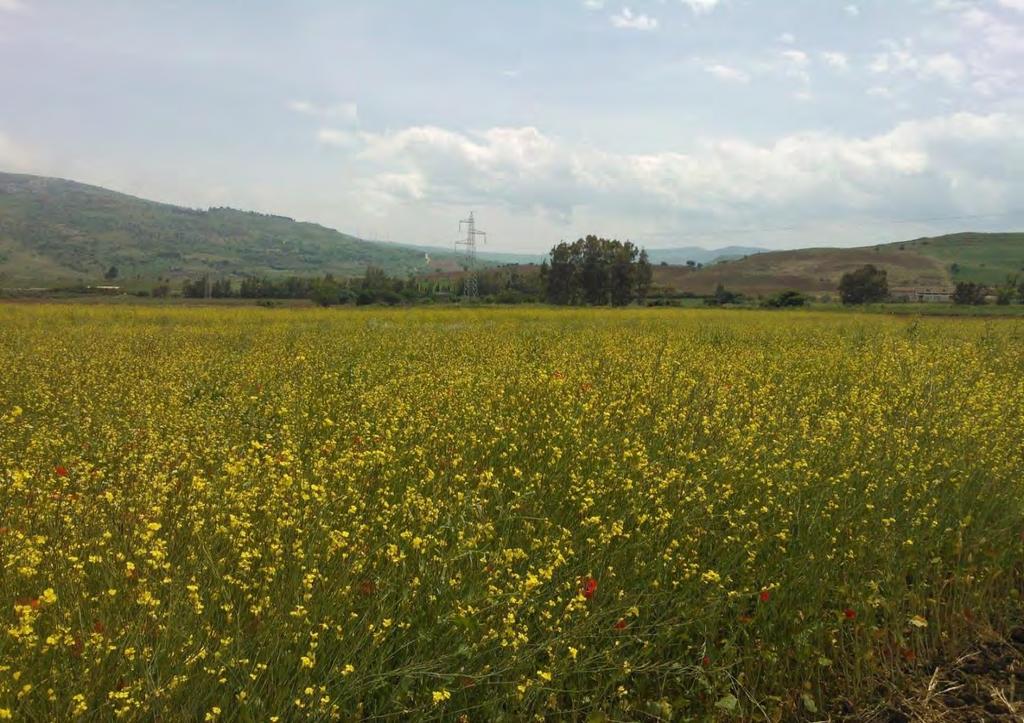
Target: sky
{"x": 775, "y": 123}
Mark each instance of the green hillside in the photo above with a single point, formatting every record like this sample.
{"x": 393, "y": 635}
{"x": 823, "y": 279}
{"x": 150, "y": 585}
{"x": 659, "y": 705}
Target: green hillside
{"x": 940, "y": 261}
{"x": 54, "y": 231}
{"x": 984, "y": 257}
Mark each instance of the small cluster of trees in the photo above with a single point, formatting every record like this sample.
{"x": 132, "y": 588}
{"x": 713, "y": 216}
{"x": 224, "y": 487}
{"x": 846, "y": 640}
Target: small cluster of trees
{"x": 595, "y": 271}
{"x": 866, "y": 285}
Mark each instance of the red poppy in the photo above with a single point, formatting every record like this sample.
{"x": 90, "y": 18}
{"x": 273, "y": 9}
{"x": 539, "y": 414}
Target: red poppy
{"x": 765, "y": 595}
{"x": 32, "y": 602}
{"x": 61, "y": 470}
{"x": 706, "y": 661}
{"x": 99, "y": 628}
{"x": 620, "y": 625}
{"x": 850, "y": 613}
{"x": 367, "y": 587}
{"x": 589, "y": 587}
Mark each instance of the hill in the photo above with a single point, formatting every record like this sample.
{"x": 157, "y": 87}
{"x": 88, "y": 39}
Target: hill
{"x": 57, "y": 231}
{"x": 938, "y": 261}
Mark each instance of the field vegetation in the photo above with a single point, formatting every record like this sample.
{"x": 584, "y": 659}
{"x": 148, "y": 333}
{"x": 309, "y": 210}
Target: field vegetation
{"x": 654, "y": 514}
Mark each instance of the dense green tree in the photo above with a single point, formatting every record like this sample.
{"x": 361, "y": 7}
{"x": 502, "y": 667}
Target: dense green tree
{"x": 865, "y": 285}
{"x": 644, "y": 275}
{"x": 595, "y": 271}
{"x": 969, "y": 293}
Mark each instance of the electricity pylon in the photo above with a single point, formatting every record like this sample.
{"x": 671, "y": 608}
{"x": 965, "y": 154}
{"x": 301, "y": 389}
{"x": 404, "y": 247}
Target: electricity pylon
{"x": 471, "y": 288}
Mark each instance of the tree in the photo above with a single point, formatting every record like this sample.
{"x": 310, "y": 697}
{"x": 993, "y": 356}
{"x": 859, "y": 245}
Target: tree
{"x": 969, "y": 293}
{"x": 111, "y": 273}
{"x": 644, "y": 275}
{"x": 865, "y": 285}
{"x": 596, "y": 271}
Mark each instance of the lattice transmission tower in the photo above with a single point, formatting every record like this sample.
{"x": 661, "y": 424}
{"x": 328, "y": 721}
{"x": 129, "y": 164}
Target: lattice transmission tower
{"x": 471, "y": 288}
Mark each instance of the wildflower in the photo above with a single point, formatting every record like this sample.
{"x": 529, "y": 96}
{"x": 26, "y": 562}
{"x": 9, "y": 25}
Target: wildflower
{"x": 588, "y": 588}
{"x": 439, "y": 696}
{"x": 49, "y": 596}
{"x": 850, "y": 613}
{"x": 765, "y": 596}
{"x": 620, "y": 624}
{"x": 60, "y": 470}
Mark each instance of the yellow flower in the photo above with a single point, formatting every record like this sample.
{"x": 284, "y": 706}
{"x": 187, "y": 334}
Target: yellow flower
{"x": 440, "y": 696}
{"x": 49, "y": 596}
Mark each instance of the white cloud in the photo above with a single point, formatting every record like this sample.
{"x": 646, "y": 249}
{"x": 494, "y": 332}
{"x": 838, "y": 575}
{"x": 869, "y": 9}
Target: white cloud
{"x": 880, "y": 91}
{"x": 787, "y": 38}
{"x": 728, "y": 73}
{"x": 946, "y": 67}
{"x": 593, "y": 4}
{"x": 852, "y": 10}
{"x": 795, "y": 65}
{"x": 796, "y": 57}
{"x": 958, "y": 163}
{"x": 347, "y": 112}
{"x": 1017, "y": 5}
{"x": 627, "y": 19}
{"x": 837, "y": 60}
{"x": 901, "y": 58}
{"x": 701, "y": 7}
{"x": 11, "y": 6}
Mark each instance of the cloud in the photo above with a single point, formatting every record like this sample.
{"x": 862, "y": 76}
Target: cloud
{"x": 946, "y": 67}
{"x": 727, "y": 73}
{"x": 949, "y": 164}
{"x": 12, "y": 6}
{"x": 348, "y": 112}
{"x": 1017, "y": 5}
{"x": 901, "y": 59}
{"x": 13, "y": 156}
{"x": 787, "y": 38}
{"x": 627, "y": 19}
{"x": 701, "y": 7}
{"x": 852, "y": 10}
{"x": 593, "y": 4}
{"x": 794, "y": 64}
{"x": 837, "y": 60}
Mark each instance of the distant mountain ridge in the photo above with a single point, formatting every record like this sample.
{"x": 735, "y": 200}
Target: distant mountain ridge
{"x": 56, "y": 231}
{"x": 700, "y": 255}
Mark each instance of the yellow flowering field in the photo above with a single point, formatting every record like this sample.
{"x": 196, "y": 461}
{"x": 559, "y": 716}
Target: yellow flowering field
{"x": 291, "y": 514}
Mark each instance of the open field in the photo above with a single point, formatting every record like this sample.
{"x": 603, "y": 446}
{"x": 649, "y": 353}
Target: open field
{"x": 654, "y": 514}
